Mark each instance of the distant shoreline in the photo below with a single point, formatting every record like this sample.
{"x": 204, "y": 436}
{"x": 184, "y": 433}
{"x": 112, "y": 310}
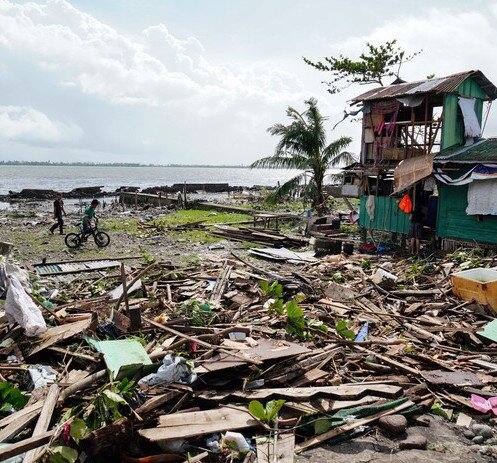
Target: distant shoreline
{"x": 111, "y": 164}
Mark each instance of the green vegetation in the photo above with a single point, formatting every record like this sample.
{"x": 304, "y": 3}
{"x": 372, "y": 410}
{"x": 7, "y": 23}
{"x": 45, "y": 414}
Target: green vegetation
{"x": 419, "y": 267}
{"x": 342, "y": 329}
{"x": 303, "y": 146}
{"x": 366, "y": 264}
{"x": 297, "y": 323}
{"x": 351, "y": 229}
{"x": 110, "y": 404}
{"x": 200, "y": 313}
{"x": 11, "y": 398}
{"x": 372, "y": 67}
{"x": 188, "y": 216}
{"x": 128, "y": 225}
{"x": 267, "y": 414}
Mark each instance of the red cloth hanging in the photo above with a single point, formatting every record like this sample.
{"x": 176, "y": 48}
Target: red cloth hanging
{"x": 405, "y": 204}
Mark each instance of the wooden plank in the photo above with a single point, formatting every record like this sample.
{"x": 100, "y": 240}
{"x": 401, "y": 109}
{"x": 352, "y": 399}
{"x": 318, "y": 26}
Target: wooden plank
{"x": 157, "y": 401}
{"x": 44, "y": 420}
{"x": 221, "y": 284}
{"x": 59, "y": 333}
{"x": 280, "y": 450}
{"x": 310, "y": 377}
{"x": 389, "y": 361}
{"x": 313, "y": 442}
{"x": 184, "y": 425}
{"x": 15, "y": 416}
{"x": 343, "y": 392}
{"x": 14, "y": 428}
{"x": 25, "y": 445}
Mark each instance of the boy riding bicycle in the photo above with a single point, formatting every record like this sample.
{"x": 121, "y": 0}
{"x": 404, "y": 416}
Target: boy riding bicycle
{"x": 88, "y": 216}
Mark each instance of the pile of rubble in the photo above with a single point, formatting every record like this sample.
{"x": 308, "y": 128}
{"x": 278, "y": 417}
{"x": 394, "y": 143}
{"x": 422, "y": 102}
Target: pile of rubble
{"x": 229, "y": 361}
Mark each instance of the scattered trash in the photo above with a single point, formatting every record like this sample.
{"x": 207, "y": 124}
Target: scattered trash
{"x": 383, "y": 278}
{"x": 42, "y": 376}
{"x": 20, "y": 308}
{"x": 331, "y": 348}
{"x": 484, "y": 405}
{"x": 172, "y": 370}
{"x": 122, "y": 357}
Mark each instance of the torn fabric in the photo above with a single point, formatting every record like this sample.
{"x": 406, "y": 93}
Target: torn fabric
{"x": 478, "y": 172}
{"x": 471, "y": 125}
{"x": 482, "y": 197}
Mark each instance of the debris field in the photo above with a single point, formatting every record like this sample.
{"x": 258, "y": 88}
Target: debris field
{"x": 237, "y": 360}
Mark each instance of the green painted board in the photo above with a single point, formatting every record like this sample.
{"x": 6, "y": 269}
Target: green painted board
{"x": 387, "y": 216}
{"x": 453, "y": 222}
{"x": 123, "y": 357}
{"x": 490, "y": 331}
{"x": 453, "y": 126}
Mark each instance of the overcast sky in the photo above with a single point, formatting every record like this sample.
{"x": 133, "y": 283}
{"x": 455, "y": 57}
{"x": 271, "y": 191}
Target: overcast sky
{"x": 199, "y": 81}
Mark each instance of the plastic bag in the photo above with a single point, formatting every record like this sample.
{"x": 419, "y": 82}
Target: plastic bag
{"x": 172, "y": 370}
{"x": 21, "y": 309}
{"x": 21, "y": 274}
{"x": 405, "y": 204}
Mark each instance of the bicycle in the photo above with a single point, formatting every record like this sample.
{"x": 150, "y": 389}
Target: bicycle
{"x": 74, "y": 240}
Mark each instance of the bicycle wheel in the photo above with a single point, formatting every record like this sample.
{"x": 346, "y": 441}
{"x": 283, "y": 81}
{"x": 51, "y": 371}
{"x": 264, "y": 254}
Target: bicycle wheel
{"x": 72, "y": 240}
{"x": 101, "y": 239}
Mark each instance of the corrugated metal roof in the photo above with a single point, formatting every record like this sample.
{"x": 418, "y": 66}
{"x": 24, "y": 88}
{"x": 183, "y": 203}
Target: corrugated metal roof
{"x": 483, "y": 151}
{"x": 439, "y": 85}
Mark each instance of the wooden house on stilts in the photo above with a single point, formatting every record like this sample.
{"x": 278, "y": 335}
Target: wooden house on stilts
{"x": 425, "y": 139}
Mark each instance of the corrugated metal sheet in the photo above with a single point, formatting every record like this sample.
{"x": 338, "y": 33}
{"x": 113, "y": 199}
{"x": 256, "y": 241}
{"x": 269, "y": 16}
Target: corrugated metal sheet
{"x": 453, "y": 222}
{"x": 439, "y": 85}
{"x": 481, "y": 152}
{"x": 387, "y": 216}
{"x": 74, "y": 267}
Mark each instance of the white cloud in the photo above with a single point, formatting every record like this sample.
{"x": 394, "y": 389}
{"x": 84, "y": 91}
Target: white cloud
{"x": 153, "y": 69}
{"x": 24, "y": 124}
{"x": 162, "y": 97}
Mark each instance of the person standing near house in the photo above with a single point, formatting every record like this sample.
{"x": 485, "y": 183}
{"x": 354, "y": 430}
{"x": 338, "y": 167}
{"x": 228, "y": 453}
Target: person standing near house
{"x": 58, "y": 213}
{"x": 416, "y": 230}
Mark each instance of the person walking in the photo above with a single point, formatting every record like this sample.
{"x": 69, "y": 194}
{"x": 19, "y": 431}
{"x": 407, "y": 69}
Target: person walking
{"x": 58, "y": 213}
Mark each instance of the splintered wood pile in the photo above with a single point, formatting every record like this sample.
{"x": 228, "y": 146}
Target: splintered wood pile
{"x": 260, "y": 236}
{"x": 173, "y": 362}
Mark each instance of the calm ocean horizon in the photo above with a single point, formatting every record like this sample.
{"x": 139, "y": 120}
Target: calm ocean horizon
{"x": 65, "y": 178}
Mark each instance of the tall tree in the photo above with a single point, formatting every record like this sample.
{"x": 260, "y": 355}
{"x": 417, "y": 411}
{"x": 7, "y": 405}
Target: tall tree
{"x": 303, "y": 146}
{"x": 372, "y": 67}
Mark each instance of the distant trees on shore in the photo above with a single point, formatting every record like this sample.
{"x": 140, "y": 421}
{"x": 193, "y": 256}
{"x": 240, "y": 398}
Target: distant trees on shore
{"x": 109, "y": 164}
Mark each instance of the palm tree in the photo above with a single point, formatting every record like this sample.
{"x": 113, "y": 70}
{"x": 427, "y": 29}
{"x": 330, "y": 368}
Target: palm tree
{"x": 303, "y": 146}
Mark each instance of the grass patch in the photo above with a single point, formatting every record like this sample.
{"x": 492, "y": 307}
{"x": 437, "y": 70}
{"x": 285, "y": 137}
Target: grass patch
{"x": 183, "y": 217}
{"x": 128, "y": 225}
{"x": 195, "y": 236}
